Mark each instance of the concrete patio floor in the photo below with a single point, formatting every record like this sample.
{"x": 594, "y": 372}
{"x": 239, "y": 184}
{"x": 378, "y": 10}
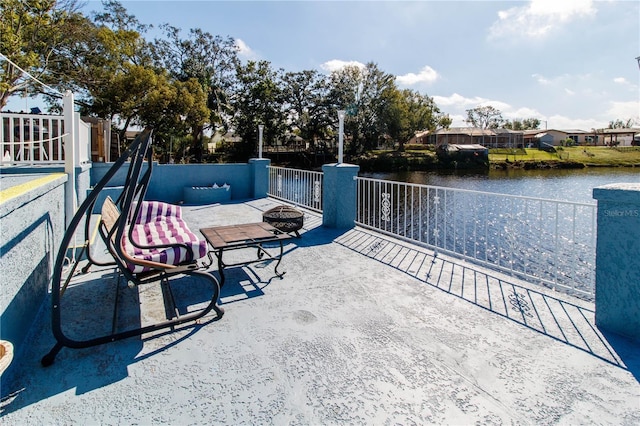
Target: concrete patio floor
{"x": 362, "y": 329}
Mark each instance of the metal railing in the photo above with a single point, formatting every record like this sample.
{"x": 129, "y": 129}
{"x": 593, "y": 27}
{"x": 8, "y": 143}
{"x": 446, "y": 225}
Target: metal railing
{"x": 39, "y": 139}
{"x": 545, "y": 241}
{"x": 300, "y": 187}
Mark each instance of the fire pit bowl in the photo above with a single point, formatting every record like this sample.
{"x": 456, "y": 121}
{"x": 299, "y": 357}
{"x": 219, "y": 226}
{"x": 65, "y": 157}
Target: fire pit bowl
{"x": 284, "y": 218}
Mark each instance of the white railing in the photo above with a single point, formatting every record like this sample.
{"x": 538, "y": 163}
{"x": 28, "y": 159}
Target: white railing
{"x": 545, "y": 241}
{"x": 39, "y": 139}
{"x": 300, "y": 187}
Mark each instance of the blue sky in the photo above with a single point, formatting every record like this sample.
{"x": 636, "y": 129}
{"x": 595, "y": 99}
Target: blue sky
{"x": 570, "y": 63}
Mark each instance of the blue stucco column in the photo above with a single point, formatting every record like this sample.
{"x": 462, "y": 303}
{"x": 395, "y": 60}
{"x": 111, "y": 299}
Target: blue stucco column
{"x": 260, "y": 176}
{"x": 339, "y": 194}
{"x": 618, "y": 259}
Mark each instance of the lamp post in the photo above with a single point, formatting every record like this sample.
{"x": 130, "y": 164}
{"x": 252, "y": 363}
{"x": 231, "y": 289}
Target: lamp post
{"x": 260, "y": 129}
{"x": 638, "y": 59}
{"x": 341, "y": 114}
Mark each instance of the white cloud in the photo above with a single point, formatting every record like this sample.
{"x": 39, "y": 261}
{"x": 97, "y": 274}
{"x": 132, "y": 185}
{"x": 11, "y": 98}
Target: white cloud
{"x": 337, "y": 64}
{"x": 623, "y": 110}
{"x": 522, "y": 113}
{"x": 457, "y": 100}
{"x": 458, "y": 120}
{"x": 456, "y": 106}
{"x": 426, "y": 75}
{"x": 541, "y": 79}
{"x": 561, "y": 122}
{"x": 244, "y": 50}
{"x": 620, "y": 80}
{"x": 572, "y": 84}
{"x": 539, "y": 18}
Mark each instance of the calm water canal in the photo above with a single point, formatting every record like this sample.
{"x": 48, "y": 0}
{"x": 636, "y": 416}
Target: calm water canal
{"x": 564, "y": 185}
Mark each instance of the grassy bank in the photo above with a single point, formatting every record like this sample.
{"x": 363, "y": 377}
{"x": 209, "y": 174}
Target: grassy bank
{"x": 562, "y": 158}
{"x": 578, "y": 156}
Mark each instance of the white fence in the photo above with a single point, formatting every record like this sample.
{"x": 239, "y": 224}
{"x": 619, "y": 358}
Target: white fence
{"x": 27, "y": 139}
{"x": 300, "y": 187}
{"x": 546, "y": 241}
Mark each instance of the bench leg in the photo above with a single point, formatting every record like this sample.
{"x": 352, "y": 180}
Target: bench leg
{"x": 63, "y": 341}
{"x": 48, "y": 359}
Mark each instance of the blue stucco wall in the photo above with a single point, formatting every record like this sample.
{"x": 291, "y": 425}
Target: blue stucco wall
{"x": 168, "y": 180}
{"x": 32, "y": 229}
{"x": 339, "y": 195}
{"x": 618, "y": 259}
{"x": 260, "y": 176}
{"x": 83, "y": 175}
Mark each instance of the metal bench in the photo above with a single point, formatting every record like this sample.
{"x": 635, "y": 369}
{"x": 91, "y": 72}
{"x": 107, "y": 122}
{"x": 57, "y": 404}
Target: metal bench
{"x": 129, "y": 228}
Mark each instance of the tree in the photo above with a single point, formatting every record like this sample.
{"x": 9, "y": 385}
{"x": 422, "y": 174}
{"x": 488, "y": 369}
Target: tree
{"x": 174, "y": 109}
{"x": 484, "y": 117}
{"x": 345, "y": 90}
{"x": 522, "y": 124}
{"x": 409, "y": 112}
{"x": 211, "y": 60}
{"x": 31, "y": 31}
{"x": 257, "y": 99}
{"x": 364, "y": 93}
{"x": 109, "y": 66}
{"x": 444, "y": 121}
{"x": 306, "y": 104}
{"x": 620, "y": 124}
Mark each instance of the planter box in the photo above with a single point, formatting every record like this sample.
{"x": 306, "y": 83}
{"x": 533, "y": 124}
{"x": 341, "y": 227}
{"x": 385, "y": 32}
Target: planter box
{"x": 198, "y": 195}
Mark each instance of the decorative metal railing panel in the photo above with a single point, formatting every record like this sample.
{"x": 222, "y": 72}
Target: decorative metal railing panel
{"x": 300, "y": 187}
{"x": 544, "y": 241}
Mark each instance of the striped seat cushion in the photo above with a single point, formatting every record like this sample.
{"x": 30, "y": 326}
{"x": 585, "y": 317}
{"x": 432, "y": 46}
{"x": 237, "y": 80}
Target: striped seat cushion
{"x": 159, "y": 224}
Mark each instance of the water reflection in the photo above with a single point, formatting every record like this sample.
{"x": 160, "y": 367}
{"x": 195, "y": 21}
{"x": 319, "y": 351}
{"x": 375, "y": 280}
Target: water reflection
{"x": 567, "y": 185}
{"x": 547, "y": 241}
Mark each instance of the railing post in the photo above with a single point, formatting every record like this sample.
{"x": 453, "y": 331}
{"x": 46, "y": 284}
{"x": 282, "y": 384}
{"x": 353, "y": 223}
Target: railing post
{"x": 260, "y": 176}
{"x": 618, "y": 259}
{"x": 339, "y": 195}
{"x": 70, "y": 142}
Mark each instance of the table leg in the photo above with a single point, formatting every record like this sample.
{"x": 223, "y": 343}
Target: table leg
{"x": 220, "y": 267}
{"x": 278, "y": 263}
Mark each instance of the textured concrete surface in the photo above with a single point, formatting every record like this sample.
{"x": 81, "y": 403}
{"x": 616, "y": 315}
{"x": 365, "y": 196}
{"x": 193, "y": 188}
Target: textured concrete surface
{"x": 362, "y": 329}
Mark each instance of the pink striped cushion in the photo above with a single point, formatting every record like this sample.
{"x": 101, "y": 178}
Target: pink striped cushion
{"x": 154, "y": 210}
{"x": 162, "y": 224}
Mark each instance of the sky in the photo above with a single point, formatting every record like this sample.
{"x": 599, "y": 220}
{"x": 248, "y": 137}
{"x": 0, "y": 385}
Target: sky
{"x": 570, "y": 63}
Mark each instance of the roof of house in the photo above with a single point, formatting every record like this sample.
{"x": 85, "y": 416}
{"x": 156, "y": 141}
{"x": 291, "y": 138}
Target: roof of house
{"x": 476, "y": 131}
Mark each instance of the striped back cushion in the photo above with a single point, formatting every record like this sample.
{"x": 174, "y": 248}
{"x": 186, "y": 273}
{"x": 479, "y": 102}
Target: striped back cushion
{"x": 152, "y": 210}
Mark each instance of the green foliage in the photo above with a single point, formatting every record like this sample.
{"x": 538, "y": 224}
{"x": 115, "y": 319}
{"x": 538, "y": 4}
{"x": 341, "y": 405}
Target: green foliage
{"x": 306, "y": 105}
{"x": 620, "y": 124}
{"x": 211, "y": 60}
{"x": 522, "y": 124}
{"x": 397, "y": 161}
{"x": 407, "y": 112}
{"x": 31, "y": 31}
{"x": 484, "y": 117}
{"x": 418, "y": 147}
{"x": 257, "y": 99}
